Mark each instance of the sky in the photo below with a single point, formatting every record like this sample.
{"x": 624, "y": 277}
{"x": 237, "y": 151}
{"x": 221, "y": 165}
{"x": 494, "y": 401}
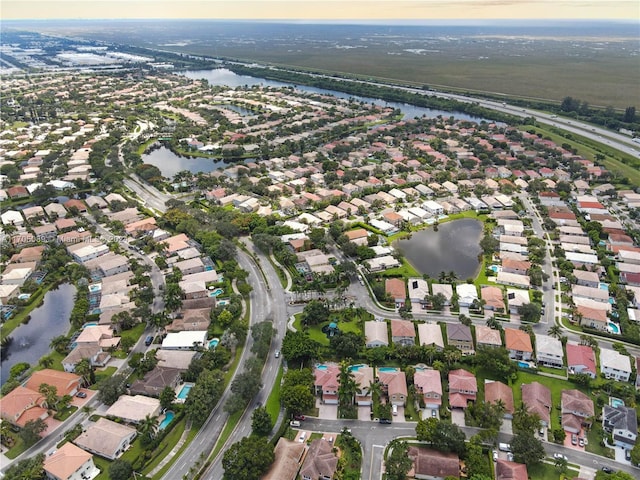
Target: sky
{"x": 309, "y": 10}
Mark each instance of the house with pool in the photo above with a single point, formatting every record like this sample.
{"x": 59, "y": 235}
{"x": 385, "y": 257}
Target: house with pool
{"x": 155, "y": 381}
{"x": 134, "y": 409}
{"x": 518, "y": 343}
{"x": 185, "y": 340}
{"x": 394, "y": 384}
{"x": 615, "y": 365}
{"x": 326, "y": 382}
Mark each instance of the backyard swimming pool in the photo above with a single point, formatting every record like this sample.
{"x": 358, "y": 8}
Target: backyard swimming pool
{"x": 524, "y": 365}
{"x": 216, "y": 292}
{"x": 355, "y": 368}
{"x": 168, "y": 418}
{"x": 613, "y": 328}
{"x": 213, "y": 343}
{"x": 386, "y": 369}
{"x": 321, "y": 367}
{"x": 184, "y": 391}
{"x": 495, "y": 268}
{"x": 616, "y": 402}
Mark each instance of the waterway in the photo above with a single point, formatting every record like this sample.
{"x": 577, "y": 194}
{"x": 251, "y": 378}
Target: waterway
{"x": 31, "y": 340}
{"x": 454, "y": 247}
{"x": 223, "y": 76}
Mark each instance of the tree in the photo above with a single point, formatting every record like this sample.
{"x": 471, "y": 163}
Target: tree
{"x": 297, "y": 398}
{"x": 529, "y": 312}
{"x": 489, "y": 244}
{"x": 314, "y": 313}
{"x": 497, "y": 361}
{"x": 261, "y": 423}
{"x": 346, "y": 390}
{"x": 203, "y": 396}
{"x": 50, "y": 393}
{"x": 110, "y": 389}
{"x": 525, "y": 422}
{"x": 31, "y": 431}
{"x": 561, "y": 464}
{"x": 120, "y": 470}
{"x": 60, "y": 344}
{"x": 148, "y": 429}
{"x": 555, "y": 331}
{"x": 635, "y": 454}
{"x": 85, "y": 370}
{"x": 398, "y": 462}
{"x": 298, "y": 347}
{"x": 442, "y": 436}
{"x": 247, "y": 459}
{"x": 224, "y": 319}
{"x": 436, "y": 301}
{"x": 475, "y": 460}
{"x": 347, "y": 344}
{"x": 629, "y": 115}
{"x": 167, "y": 397}
{"x": 29, "y": 469}
{"x": 527, "y": 448}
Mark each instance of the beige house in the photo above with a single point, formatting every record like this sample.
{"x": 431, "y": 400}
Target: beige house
{"x": 70, "y": 463}
{"x": 106, "y": 438}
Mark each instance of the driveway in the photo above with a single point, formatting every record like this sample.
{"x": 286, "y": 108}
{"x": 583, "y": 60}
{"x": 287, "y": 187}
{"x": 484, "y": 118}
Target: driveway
{"x": 457, "y": 417}
{"x": 364, "y": 413}
{"x": 507, "y": 426}
{"x": 327, "y": 412}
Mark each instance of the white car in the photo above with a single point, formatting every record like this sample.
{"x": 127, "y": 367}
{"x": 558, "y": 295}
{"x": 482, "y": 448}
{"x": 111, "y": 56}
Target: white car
{"x": 559, "y": 456}
{"x": 495, "y": 455}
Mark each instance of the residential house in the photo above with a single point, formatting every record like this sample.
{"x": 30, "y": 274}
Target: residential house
{"x": 577, "y": 410}
{"x": 622, "y": 423}
{"x": 428, "y": 384}
{"x": 358, "y": 236}
{"x": 65, "y": 383}
{"x": 537, "y": 398}
{"x": 155, "y": 381}
{"x": 403, "y": 332}
{"x": 320, "y": 462}
{"x": 97, "y": 335}
{"x": 518, "y": 343}
{"x": 327, "y": 382}
{"x": 70, "y": 463}
{"x": 506, "y": 470}
{"x": 615, "y": 365}
{"x": 467, "y": 294}
{"x": 434, "y": 465}
{"x": 445, "y": 289}
{"x": 581, "y": 359}
{"x": 418, "y": 291}
{"x": 430, "y": 334}
{"x": 459, "y": 336}
{"x": 363, "y": 376}
{"x": 93, "y": 353}
{"x": 495, "y": 392}
{"x": 288, "y": 458}
{"x": 463, "y": 388}
{"x": 549, "y": 351}
{"x": 513, "y": 280}
{"x": 376, "y": 334}
{"x": 22, "y": 405}
{"x": 586, "y": 278}
{"x": 395, "y": 289}
{"x": 134, "y": 409}
{"x": 185, "y": 340}
{"x": 487, "y": 337}
{"x": 493, "y": 298}
{"x": 593, "y": 317}
{"x": 106, "y": 438}
{"x": 394, "y": 384}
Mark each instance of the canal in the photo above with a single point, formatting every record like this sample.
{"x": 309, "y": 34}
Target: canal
{"x": 31, "y": 340}
{"x": 455, "y": 247}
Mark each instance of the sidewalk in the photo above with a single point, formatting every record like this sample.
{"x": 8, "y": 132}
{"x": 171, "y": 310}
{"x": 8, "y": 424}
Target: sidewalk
{"x": 172, "y": 453}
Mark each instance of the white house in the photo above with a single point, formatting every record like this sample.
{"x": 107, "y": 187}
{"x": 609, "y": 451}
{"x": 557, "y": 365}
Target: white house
{"x": 615, "y": 365}
{"x": 376, "y": 334}
{"x": 467, "y": 293}
{"x": 70, "y": 463}
{"x": 549, "y": 351}
{"x": 185, "y": 340}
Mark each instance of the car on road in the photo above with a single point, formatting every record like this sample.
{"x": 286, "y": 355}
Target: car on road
{"x": 606, "y": 469}
{"x": 299, "y": 417}
{"x": 277, "y": 354}
{"x": 81, "y": 395}
{"x": 495, "y": 455}
{"x": 385, "y": 421}
{"x": 559, "y": 456}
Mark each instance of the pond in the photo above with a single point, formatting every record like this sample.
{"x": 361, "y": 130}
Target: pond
{"x": 454, "y": 247}
{"x": 31, "y": 340}
{"x": 169, "y": 163}
{"x": 222, "y": 76}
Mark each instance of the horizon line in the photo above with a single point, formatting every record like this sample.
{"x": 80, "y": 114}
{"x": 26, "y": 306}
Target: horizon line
{"x": 348, "y": 20}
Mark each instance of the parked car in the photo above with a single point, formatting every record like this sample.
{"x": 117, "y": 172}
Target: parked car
{"x": 574, "y": 439}
{"x": 294, "y": 423}
{"x": 559, "y": 456}
{"x": 510, "y": 456}
{"x": 434, "y": 413}
{"x": 299, "y": 417}
{"x": 581, "y": 442}
{"x": 81, "y": 395}
{"x": 495, "y": 455}
{"x": 606, "y": 469}
{"x": 385, "y": 421}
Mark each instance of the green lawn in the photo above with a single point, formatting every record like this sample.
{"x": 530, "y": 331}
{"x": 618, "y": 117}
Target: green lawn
{"x": 406, "y": 270}
{"x": 134, "y": 333}
{"x": 17, "y": 449}
{"x": 273, "y": 402}
{"x": 315, "y": 331}
{"x": 546, "y": 471}
{"x": 166, "y": 445}
{"x": 594, "y": 437}
{"x": 8, "y": 326}
{"x": 101, "y": 375}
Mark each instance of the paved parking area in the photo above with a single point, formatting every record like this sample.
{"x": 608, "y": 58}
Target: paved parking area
{"x": 364, "y": 413}
{"x": 569, "y": 444}
{"x": 399, "y": 418}
{"x": 507, "y": 426}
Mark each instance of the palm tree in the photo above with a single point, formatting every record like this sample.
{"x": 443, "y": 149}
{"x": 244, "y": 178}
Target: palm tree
{"x": 46, "y": 362}
{"x": 555, "y": 331}
{"x": 148, "y": 427}
{"x": 452, "y": 276}
{"x": 443, "y": 276}
{"x": 348, "y": 386}
{"x": 60, "y": 344}
{"x": 84, "y": 369}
